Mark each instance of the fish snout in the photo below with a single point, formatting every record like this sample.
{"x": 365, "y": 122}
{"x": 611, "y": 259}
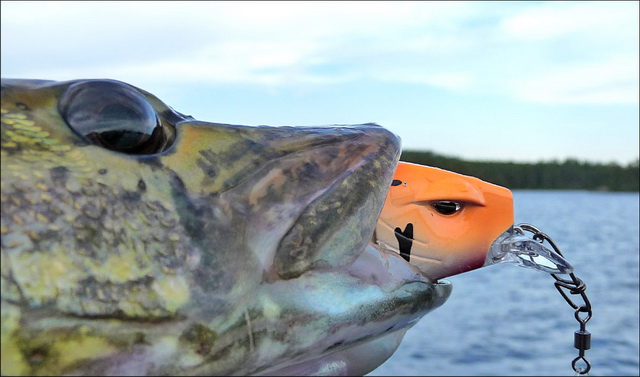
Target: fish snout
{"x": 219, "y": 157}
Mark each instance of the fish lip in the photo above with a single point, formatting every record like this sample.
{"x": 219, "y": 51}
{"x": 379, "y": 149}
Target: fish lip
{"x": 379, "y": 159}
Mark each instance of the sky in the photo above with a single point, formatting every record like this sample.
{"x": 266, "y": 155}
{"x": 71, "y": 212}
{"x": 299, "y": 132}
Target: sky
{"x": 506, "y": 81}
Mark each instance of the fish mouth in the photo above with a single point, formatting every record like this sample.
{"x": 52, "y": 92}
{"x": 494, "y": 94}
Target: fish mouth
{"x": 316, "y": 204}
{"x": 334, "y": 227}
{"x": 309, "y": 274}
{"x": 360, "y": 293}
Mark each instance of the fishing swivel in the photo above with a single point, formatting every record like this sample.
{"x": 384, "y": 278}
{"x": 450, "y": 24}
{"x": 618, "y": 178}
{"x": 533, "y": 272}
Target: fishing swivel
{"x": 575, "y": 286}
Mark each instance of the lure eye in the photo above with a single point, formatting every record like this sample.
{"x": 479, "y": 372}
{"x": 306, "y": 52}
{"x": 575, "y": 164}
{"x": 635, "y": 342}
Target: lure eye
{"x": 113, "y": 115}
{"x": 447, "y": 207}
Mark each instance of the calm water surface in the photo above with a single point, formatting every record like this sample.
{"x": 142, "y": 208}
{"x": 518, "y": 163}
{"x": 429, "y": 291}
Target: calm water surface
{"x": 506, "y": 320}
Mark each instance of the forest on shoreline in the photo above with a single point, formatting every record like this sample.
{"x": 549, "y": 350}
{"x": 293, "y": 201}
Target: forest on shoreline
{"x": 569, "y": 174}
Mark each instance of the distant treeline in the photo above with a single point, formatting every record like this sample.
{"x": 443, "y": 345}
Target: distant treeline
{"x": 570, "y": 174}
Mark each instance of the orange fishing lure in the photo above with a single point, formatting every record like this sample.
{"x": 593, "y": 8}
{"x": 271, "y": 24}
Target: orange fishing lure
{"x": 442, "y": 222}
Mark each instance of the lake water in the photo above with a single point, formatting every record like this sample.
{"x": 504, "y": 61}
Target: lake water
{"x": 506, "y": 320}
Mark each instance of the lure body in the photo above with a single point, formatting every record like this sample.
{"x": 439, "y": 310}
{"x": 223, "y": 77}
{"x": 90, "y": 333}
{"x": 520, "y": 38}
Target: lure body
{"x": 447, "y": 223}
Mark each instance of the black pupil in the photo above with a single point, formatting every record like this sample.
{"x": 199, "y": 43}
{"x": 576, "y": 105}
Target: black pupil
{"x": 132, "y": 128}
{"x": 446, "y": 207}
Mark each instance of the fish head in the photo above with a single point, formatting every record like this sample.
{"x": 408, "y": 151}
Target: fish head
{"x": 139, "y": 240}
{"x": 443, "y": 222}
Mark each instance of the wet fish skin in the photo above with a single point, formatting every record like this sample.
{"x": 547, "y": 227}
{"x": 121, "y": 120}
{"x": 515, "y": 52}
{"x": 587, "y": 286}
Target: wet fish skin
{"x": 233, "y": 250}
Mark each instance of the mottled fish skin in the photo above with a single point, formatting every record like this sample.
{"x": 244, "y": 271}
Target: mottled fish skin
{"x": 232, "y": 251}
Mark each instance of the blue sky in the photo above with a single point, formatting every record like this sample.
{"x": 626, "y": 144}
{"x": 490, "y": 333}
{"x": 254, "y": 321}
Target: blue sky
{"x": 520, "y": 81}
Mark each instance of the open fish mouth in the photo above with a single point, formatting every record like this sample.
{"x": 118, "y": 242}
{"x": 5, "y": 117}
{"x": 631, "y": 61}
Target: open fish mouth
{"x": 330, "y": 239}
{"x": 326, "y": 290}
{"x": 338, "y": 221}
{"x": 313, "y": 205}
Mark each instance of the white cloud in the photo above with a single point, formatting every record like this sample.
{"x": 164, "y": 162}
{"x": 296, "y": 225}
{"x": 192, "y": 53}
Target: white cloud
{"x": 270, "y": 43}
{"x": 551, "y": 52}
{"x": 611, "y": 81}
{"x": 552, "y": 20}
{"x": 448, "y": 80}
{"x": 537, "y": 52}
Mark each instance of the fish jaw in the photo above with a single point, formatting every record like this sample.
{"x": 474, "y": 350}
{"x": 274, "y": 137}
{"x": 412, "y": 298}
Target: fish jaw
{"x": 443, "y": 245}
{"x": 355, "y": 361}
{"x": 304, "y": 197}
{"x": 311, "y": 282}
{"x": 364, "y": 351}
{"x": 203, "y": 258}
{"x": 344, "y": 324}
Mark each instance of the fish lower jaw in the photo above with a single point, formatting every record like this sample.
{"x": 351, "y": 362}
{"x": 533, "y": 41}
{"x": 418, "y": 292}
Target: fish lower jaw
{"x": 354, "y": 361}
{"x": 374, "y": 301}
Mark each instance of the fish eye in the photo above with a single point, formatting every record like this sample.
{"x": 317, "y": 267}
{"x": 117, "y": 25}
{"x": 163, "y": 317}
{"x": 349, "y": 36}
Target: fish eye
{"x": 113, "y": 115}
{"x": 447, "y": 207}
